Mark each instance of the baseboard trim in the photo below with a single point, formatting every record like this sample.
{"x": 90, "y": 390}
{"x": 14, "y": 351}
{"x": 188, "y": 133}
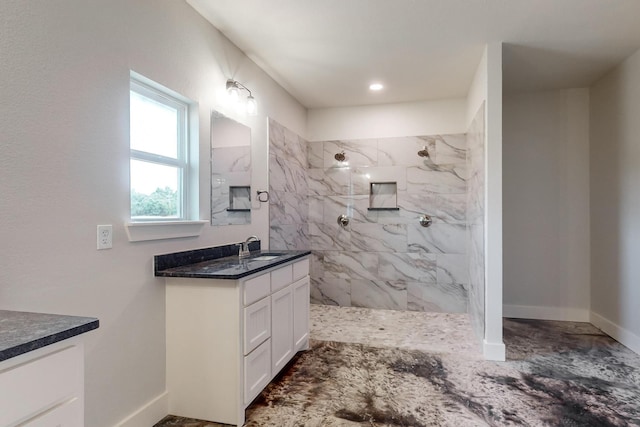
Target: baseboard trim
{"x": 149, "y": 414}
{"x": 617, "y": 332}
{"x": 546, "y": 313}
{"x": 493, "y": 351}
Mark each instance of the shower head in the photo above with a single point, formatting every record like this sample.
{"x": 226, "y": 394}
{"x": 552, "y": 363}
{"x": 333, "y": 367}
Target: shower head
{"x": 424, "y": 152}
{"x": 340, "y": 156}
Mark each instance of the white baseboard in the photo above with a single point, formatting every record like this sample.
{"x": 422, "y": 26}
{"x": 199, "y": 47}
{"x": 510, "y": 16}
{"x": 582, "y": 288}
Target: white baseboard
{"x": 620, "y": 334}
{"x": 493, "y": 351}
{"x": 149, "y": 414}
{"x": 546, "y": 313}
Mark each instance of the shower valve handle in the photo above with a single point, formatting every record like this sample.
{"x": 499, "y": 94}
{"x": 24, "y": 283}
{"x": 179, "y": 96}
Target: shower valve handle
{"x": 343, "y": 220}
{"x": 425, "y": 220}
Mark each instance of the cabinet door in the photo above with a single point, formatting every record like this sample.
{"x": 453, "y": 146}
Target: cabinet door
{"x": 30, "y": 388}
{"x": 257, "y": 371}
{"x": 281, "y": 329}
{"x": 301, "y": 314}
{"x": 257, "y": 324}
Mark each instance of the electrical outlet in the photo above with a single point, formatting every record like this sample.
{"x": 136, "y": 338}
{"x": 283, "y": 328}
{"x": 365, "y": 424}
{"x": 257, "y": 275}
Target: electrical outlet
{"x": 105, "y": 237}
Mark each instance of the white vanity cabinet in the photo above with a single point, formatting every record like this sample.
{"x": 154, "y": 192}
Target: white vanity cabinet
{"x": 227, "y": 339}
{"x": 44, "y": 388}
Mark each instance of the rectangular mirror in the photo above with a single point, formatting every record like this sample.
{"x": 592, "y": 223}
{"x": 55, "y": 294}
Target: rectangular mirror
{"x": 230, "y": 171}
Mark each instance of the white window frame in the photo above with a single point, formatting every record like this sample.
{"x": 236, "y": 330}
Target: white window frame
{"x": 157, "y": 228}
{"x": 162, "y": 96}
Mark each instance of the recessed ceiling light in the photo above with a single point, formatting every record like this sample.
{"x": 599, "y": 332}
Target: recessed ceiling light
{"x": 376, "y": 86}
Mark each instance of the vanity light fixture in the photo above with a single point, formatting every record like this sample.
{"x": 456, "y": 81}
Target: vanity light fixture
{"x": 233, "y": 89}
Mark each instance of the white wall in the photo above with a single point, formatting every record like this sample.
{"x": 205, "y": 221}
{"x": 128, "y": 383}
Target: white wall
{"x": 387, "y": 120}
{"x": 487, "y": 87}
{"x": 615, "y": 202}
{"x": 546, "y": 205}
{"x": 64, "y": 155}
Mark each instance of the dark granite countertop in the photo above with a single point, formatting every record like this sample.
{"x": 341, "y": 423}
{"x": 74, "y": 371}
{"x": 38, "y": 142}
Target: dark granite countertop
{"x": 229, "y": 267}
{"x": 22, "y": 332}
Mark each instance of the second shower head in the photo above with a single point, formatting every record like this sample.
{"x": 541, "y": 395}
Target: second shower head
{"x": 424, "y": 152}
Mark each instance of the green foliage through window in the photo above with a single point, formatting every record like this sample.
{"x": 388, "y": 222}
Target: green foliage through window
{"x": 161, "y": 203}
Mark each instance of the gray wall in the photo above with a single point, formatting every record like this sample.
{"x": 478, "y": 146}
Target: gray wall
{"x": 615, "y": 201}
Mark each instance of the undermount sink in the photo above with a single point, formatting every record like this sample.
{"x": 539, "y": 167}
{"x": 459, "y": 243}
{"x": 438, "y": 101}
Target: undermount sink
{"x": 266, "y": 257}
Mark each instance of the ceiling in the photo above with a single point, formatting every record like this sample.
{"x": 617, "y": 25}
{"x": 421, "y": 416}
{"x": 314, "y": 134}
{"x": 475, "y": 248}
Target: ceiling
{"x": 326, "y": 52}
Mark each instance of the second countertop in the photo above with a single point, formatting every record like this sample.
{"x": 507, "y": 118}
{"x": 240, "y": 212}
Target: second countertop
{"x": 197, "y": 263}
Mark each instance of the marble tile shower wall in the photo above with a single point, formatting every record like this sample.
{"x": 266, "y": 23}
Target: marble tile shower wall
{"x": 386, "y": 259}
{"x": 475, "y": 220}
{"x": 288, "y": 189}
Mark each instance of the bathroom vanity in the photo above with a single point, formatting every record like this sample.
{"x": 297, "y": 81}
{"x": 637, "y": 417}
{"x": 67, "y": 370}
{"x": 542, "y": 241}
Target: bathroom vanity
{"x": 42, "y": 369}
{"x": 232, "y": 325}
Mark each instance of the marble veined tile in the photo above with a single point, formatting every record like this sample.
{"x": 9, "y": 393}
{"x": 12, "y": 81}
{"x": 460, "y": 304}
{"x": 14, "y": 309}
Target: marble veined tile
{"x": 449, "y": 179}
{"x": 289, "y": 237}
{"x": 276, "y": 134}
{"x": 445, "y": 298}
{"x": 329, "y": 182}
{"x": 316, "y": 208}
{"x": 329, "y": 237}
{"x": 452, "y": 269}
{"x": 280, "y": 174}
{"x": 438, "y": 238}
{"x": 331, "y": 291}
{"x": 403, "y": 151}
{"x": 363, "y": 152}
{"x": 295, "y": 149}
{"x": 451, "y": 149}
{"x": 354, "y": 207}
{"x": 407, "y": 267}
{"x": 378, "y": 294}
{"x": 379, "y": 237}
{"x": 315, "y": 155}
{"x": 362, "y": 177}
{"x": 351, "y": 265}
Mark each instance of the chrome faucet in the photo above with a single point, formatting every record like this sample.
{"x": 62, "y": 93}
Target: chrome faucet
{"x": 244, "y": 246}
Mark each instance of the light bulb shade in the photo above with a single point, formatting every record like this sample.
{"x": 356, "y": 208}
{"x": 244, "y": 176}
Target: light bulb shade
{"x": 252, "y": 106}
{"x": 234, "y": 93}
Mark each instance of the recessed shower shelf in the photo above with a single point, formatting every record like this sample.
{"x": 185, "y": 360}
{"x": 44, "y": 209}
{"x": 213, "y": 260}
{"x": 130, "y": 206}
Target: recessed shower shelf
{"x": 383, "y": 196}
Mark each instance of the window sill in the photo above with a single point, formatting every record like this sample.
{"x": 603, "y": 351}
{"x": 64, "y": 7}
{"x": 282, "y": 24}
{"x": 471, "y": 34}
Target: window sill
{"x": 144, "y": 231}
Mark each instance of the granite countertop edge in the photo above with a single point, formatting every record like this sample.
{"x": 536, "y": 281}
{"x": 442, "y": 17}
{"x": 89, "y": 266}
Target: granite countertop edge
{"x": 34, "y": 335}
{"x": 206, "y": 270}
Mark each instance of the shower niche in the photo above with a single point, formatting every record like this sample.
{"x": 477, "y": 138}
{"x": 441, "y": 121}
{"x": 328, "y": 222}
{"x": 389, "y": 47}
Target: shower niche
{"x": 383, "y": 196}
{"x": 239, "y": 199}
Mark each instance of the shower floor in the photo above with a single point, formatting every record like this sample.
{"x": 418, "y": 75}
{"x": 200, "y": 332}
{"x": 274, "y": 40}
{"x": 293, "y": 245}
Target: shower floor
{"x": 444, "y": 333}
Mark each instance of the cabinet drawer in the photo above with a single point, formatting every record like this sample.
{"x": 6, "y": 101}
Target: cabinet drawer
{"x": 257, "y": 288}
{"x": 30, "y": 388}
{"x": 301, "y": 269}
{"x": 257, "y": 324}
{"x": 69, "y": 414}
{"x": 281, "y": 277}
{"x": 257, "y": 371}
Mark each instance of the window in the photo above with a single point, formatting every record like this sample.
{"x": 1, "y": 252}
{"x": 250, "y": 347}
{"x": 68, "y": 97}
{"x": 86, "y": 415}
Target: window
{"x": 159, "y": 166}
